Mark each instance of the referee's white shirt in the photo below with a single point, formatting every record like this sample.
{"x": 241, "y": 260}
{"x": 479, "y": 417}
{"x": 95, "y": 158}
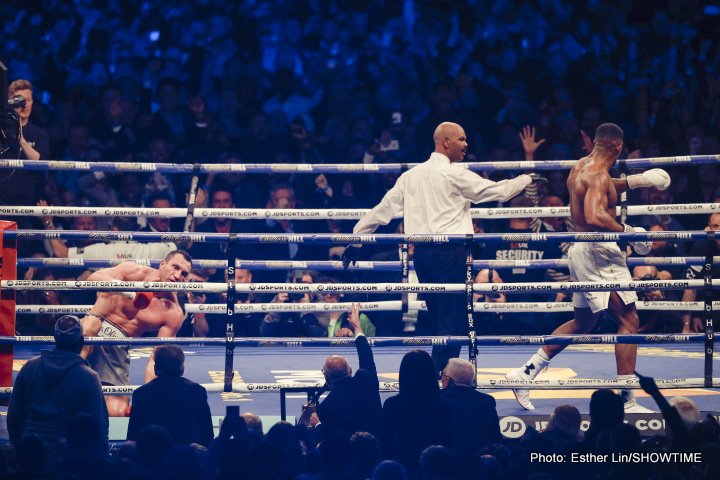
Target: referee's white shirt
{"x": 435, "y": 197}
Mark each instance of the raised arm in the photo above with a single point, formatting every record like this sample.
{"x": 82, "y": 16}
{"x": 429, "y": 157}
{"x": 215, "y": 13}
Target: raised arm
{"x": 655, "y": 177}
{"x": 621, "y": 184}
{"x": 59, "y": 247}
{"x": 672, "y": 417}
{"x": 478, "y": 189}
{"x": 527, "y": 137}
{"x": 365, "y": 355}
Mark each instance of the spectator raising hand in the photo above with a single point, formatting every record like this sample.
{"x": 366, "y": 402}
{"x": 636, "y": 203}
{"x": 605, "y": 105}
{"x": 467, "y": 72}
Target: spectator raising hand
{"x": 47, "y": 220}
{"x": 321, "y": 182}
{"x": 530, "y": 146}
{"x": 587, "y": 142}
{"x": 354, "y": 318}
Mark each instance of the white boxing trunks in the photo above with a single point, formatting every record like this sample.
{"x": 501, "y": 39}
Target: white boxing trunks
{"x": 111, "y": 362}
{"x": 598, "y": 262}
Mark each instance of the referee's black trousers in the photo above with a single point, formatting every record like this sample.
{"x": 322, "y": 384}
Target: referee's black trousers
{"x": 447, "y": 311}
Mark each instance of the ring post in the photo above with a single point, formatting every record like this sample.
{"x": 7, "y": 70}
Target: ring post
{"x": 229, "y": 328}
{"x": 192, "y": 198}
{"x": 8, "y": 271}
{"x": 472, "y": 335}
{"x": 708, "y": 310}
{"x": 405, "y": 274}
{"x": 622, "y": 164}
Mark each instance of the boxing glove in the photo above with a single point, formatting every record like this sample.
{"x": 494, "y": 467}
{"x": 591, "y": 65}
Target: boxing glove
{"x": 141, "y": 300}
{"x": 351, "y": 255}
{"x": 528, "y": 179}
{"x": 657, "y": 177}
{"x": 641, "y": 247}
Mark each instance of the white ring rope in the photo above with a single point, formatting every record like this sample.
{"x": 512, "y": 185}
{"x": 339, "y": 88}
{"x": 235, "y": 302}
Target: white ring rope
{"x": 388, "y": 288}
{"x": 335, "y": 214}
{"x": 309, "y": 168}
{"x": 491, "y": 384}
{"x": 349, "y": 342}
{"x": 384, "y": 306}
{"x": 343, "y": 239}
{"x": 382, "y": 266}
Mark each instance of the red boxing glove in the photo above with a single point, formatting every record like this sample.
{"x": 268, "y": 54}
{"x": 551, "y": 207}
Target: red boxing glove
{"x": 142, "y": 300}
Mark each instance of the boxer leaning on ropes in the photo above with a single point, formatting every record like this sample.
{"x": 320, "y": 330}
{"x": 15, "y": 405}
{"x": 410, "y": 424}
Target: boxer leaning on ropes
{"x": 131, "y": 314}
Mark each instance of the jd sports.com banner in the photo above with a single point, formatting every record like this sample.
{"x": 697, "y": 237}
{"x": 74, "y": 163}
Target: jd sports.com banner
{"x": 649, "y": 424}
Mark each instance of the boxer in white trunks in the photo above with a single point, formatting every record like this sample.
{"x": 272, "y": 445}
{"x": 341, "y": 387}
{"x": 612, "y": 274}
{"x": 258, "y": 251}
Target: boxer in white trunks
{"x": 593, "y": 197}
{"x": 123, "y": 314}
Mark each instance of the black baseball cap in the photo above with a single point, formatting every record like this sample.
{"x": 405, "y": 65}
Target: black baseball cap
{"x": 68, "y": 330}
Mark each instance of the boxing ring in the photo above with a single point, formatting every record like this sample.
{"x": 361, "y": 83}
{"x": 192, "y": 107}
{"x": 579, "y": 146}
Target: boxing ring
{"x": 253, "y": 372}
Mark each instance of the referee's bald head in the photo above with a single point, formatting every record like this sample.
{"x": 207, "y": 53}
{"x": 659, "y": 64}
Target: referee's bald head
{"x": 450, "y": 140}
{"x": 445, "y": 130}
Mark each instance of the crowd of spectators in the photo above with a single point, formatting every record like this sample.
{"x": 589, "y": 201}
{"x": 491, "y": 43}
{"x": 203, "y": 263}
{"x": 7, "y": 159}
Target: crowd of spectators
{"x": 366, "y": 81}
{"x": 325, "y": 81}
{"x": 424, "y": 433}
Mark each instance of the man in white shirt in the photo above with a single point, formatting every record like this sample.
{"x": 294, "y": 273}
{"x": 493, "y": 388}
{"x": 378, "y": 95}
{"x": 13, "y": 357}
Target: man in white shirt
{"x": 434, "y": 198}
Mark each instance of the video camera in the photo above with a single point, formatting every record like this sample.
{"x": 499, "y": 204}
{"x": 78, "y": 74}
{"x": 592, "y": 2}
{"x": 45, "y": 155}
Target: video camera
{"x": 9, "y": 119}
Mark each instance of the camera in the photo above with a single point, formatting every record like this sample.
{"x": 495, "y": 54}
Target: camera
{"x": 650, "y": 295}
{"x": 9, "y": 119}
{"x": 18, "y": 101}
{"x": 295, "y": 297}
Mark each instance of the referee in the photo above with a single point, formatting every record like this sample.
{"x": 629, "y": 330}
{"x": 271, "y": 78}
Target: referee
{"x": 434, "y": 198}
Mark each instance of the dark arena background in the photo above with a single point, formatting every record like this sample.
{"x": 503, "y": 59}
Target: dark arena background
{"x": 256, "y": 134}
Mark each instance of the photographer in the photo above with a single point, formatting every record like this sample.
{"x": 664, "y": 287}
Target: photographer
{"x": 195, "y": 324}
{"x": 293, "y": 324}
{"x": 656, "y": 320}
{"x": 693, "y": 321}
{"x": 246, "y": 324}
{"x": 22, "y": 141}
{"x": 33, "y": 140}
{"x": 336, "y": 323}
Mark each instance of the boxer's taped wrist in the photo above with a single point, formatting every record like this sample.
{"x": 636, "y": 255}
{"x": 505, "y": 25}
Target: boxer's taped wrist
{"x": 636, "y": 181}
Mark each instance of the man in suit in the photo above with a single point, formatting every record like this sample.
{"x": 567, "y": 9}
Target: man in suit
{"x": 474, "y": 418}
{"x": 353, "y": 404}
{"x": 172, "y": 401}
